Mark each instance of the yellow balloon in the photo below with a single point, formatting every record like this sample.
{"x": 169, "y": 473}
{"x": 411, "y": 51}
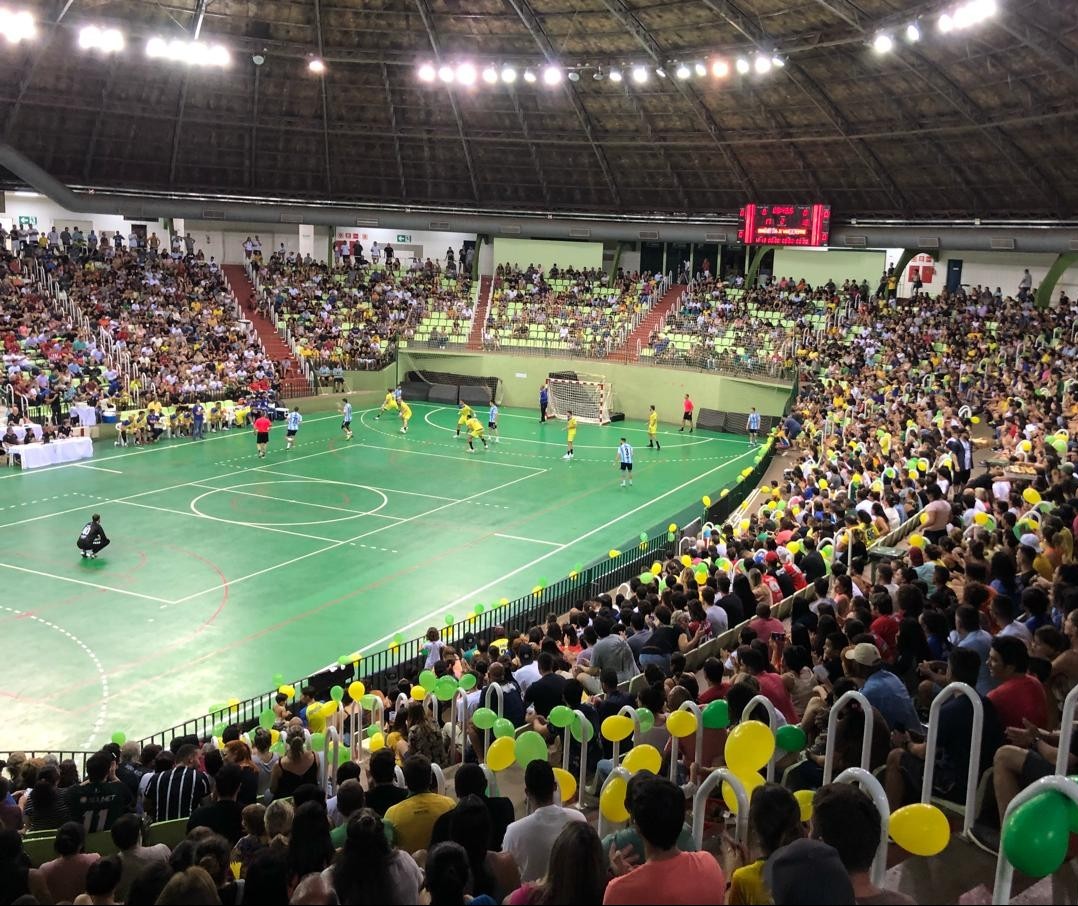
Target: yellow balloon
{"x": 686, "y": 560}
{"x": 566, "y": 783}
{"x": 793, "y": 547}
{"x": 749, "y": 747}
{"x": 976, "y": 419}
{"x": 912, "y": 474}
{"x": 921, "y": 829}
{"x": 612, "y": 801}
{"x": 501, "y": 753}
{"x": 656, "y": 568}
{"x": 917, "y": 540}
{"x": 1030, "y": 496}
{"x": 614, "y": 554}
{"x": 643, "y": 758}
{"x": 681, "y": 723}
{"x": 316, "y": 724}
{"x": 705, "y": 500}
{"x": 274, "y": 736}
{"x": 743, "y": 525}
{"x": 378, "y": 741}
{"x": 418, "y": 693}
{"x": 749, "y": 781}
{"x": 617, "y": 727}
{"x": 724, "y": 492}
{"x": 822, "y": 484}
{"x": 766, "y": 489}
{"x": 924, "y": 518}
{"x": 1025, "y": 446}
{"x": 328, "y": 709}
{"x": 804, "y": 801}
{"x": 672, "y": 527}
{"x": 287, "y": 690}
{"x": 980, "y": 518}
{"x": 745, "y": 473}
{"x": 357, "y": 690}
{"x": 314, "y": 709}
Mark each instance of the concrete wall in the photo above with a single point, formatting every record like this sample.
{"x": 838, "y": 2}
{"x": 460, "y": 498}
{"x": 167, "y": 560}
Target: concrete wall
{"x": 635, "y": 386}
{"x": 819, "y": 266}
{"x": 544, "y": 253}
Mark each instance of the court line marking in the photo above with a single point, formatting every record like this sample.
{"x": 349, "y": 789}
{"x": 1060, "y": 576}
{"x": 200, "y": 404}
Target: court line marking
{"x": 321, "y": 506}
{"x": 252, "y": 525}
{"x": 335, "y": 545}
{"x": 521, "y": 538}
{"x": 426, "y": 618}
{"x": 83, "y": 465}
{"x": 119, "y": 591}
{"x": 353, "y": 485}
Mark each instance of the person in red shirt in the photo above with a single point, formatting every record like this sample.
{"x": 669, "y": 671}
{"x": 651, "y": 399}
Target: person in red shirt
{"x": 1018, "y": 696}
{"x": 754, "y": 662}
{"x": 765, "y": 625}
{"x": 686, "y": 416}
{"x": 884, "y": 626}
{"x": 262, "y": 430}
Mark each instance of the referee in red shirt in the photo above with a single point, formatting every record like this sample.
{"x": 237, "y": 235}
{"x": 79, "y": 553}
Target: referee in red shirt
{"x": 262, "y": 430}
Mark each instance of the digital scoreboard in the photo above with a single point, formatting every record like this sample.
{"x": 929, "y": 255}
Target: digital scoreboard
{"x": 784, "y": 224}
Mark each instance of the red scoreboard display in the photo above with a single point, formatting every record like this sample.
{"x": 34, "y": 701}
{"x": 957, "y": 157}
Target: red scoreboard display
{"x": 784, "y": 224}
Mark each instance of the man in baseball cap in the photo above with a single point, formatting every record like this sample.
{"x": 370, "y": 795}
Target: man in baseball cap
{"x": 885, "y": 691}
{"x": 807, "y": 873}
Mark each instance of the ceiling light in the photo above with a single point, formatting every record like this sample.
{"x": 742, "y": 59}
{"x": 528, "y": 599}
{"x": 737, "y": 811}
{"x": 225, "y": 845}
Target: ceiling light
{"x": 742, "y": 65}
{"x": 946, "y": 23}
{"x": 778, "y": 62}
{"x": 720, "y": 69}
{"x": 193, "y": 53}
{"x": 529, "y": 76}
{"x": 107, "y": 40}
{"x": 574, "y": 76}
{"x": 762, "y": 64}
{"x": 913, "y": 33}
{"x": 316, "y": 66}
{"x": 258, "y": 60}
{"x": 427, "y": 73}
{"x": 466, "y": 74}
{"x": 660, "y": 72}
{"x": 883, "y": 43}
{"x": 683, "y": 71}
{"x": 156, "y": 48}
{"x": 17, "y": 27}
{"x": 640, "y": 74}
{"x": 490, "y": 75}
{"x": 552, "y": 75}
{"x": 446, "y": 74}
{"x": 598, "y": 75}
{"x": 615, "y": 75}
{"x": 701, "y": 69}
{"x": 509, "y": 75}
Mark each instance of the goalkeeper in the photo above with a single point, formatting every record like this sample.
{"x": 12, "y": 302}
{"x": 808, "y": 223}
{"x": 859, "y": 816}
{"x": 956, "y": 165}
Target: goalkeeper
{"x": 475, "y": 432}
{"x": 464, "y": 412}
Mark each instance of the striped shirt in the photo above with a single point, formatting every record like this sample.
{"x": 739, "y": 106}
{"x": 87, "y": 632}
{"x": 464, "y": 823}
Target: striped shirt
{"x": 347, "y": 412}
{"x": 625, "y": 453}
{"x": 754, "y": 421}
{"x": 398, "y": 394}
{"x": 294, "y": 421}
{"x": 177, "y": 793}
{"x": 493, "y": 417}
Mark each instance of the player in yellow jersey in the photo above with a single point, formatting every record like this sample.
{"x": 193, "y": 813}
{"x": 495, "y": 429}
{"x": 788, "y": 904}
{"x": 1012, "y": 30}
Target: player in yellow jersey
{"x": 653, "y": 429}
{"x": 390, "y": 402}
{"x": 405, "y": 415}
{"x": 465, "y": 412}
{"x": 475, "y": 432}
{"x": 570, "y": 433}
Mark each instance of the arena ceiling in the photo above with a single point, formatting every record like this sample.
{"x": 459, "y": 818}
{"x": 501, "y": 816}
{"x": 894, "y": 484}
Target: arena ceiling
{"x": 978, "y": 122}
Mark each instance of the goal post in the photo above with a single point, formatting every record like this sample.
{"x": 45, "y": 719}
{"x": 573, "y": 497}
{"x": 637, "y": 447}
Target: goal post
{"x": 589, "y": 397}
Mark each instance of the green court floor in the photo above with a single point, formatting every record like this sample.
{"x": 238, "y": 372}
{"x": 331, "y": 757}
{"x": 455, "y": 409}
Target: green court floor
{"x": 226, "y": 569}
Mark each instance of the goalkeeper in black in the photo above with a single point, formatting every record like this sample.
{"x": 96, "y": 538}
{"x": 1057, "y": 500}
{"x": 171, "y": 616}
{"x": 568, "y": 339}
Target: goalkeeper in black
{"x": 92, "y": 539}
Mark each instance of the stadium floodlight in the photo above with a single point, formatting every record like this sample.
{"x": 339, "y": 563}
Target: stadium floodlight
{"x": 192, "y": 53}
{"x": 615, "y": 75}
{"x": 446, "y": 74}
{"x": 762, "y": 64}
{"x": 529, "y": 76}
{"x": 466, "y": 74}
{"x": 573, "y": 76}
{"x": 660, "y": 72}
{"x": 683, "y": 71}
{"x": 17, "y": 26}
{"x": 427, "y": 73}
{"x": 883, "y": 43}
{"x": 552, "y": 75}
{"x": 946, "y": 23}
{"x": 743, "y": 65}
{"x": 640, "y": 74}
{"x": 509, "y": 75}
{"x": 720, "y": 69}
{"x": 778, "y": 62}
{"x": 701, "y": 69}
{"x": 913, "y": 33}
{"x": 106, "y": 40}
{"x": 316, "y": 66}
{"x": 490, "y": 75}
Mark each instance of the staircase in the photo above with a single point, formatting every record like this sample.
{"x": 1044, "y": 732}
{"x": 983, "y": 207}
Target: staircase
{"x": 295, "y": 384}
{"x": 482, "y": 309}
{"x": 643, "y": 330}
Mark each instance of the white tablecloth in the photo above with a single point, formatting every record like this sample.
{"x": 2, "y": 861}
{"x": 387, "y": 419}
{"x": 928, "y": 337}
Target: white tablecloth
{"x": 34, "y": 456}
{"x": 20, "y": 431}
{"x": 87, "y": 414}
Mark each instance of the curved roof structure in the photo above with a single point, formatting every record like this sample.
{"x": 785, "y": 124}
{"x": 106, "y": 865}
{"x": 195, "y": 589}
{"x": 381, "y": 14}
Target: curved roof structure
{"x": 979, "y": 121}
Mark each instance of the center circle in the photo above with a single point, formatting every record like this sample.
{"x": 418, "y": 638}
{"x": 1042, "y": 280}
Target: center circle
{"x": 329, "y": 509}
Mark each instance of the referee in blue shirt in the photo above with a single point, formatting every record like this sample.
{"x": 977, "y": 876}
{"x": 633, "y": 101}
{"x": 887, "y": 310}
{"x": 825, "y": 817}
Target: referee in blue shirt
{"x": 754, "y": 426}
{"x": 625, "y": 457}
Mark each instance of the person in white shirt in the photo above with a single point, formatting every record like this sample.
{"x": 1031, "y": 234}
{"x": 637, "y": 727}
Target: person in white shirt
{"x": 528, "y": 672}
{"x": 530, "y": 839}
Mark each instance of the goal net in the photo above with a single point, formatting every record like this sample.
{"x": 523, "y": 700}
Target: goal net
{"x": 589, "y": 397}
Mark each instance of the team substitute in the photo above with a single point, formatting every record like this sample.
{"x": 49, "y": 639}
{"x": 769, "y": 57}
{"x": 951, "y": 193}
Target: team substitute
{"x": 464, "y": 412}
{"x": 262, "y": 430}
{"x": 492, "y": 422}
{"x": 570, "y": 433}
{"x": 392, "y": 401}
{"x": 753, "y": 426}
{"x": 292, "y": 425}
{"x": 405, "y": 416}
{"x": 346, "y": 419}
{"x": 92, "y": 539}
{"x": 475, "y": 432}
{"x": 653, "y": 429}
{"x": 686, "y": 415}
{"x": 625, "y": 458}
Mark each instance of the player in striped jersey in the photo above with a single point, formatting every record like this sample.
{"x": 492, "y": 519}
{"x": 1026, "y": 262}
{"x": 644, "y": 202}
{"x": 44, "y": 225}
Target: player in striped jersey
{"x": 625, "y": 458}
{"x": 292, "y": 424}
{"x": 492, "y": 422}
{"x": 405, "y": 416}
{"x": 346, "y": 419}
{"x": 653, "y": 429}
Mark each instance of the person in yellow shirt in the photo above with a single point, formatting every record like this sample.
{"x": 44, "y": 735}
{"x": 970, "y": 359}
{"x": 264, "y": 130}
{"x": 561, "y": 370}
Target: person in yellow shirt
{"x": 653, "y": 429}
{"x": 464, "y": 412}
{"x": 411, "y": 822}
{"x": 475, "y": 432}
{"x": 390, "y": 402}
{"x": 405, "y": 415}
{"x": 570, "y": 433}
{"x": 774, "y": 821}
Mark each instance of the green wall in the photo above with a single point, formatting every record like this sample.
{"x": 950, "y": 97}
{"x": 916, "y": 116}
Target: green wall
{"x": 635, "y": 386}
{"x": 545, "y": 252}
{"x": 834, "y": 264}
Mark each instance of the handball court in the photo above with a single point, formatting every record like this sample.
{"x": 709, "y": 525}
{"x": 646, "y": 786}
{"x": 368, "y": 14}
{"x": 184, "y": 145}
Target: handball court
{"x": 225, "y": 569}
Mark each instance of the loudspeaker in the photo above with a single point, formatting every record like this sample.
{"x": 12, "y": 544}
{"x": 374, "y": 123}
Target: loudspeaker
{"x": 617, "y": 416}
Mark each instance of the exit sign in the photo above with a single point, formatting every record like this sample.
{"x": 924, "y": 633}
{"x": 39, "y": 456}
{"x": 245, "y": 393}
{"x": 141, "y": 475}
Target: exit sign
{"x": 403, "y": 237}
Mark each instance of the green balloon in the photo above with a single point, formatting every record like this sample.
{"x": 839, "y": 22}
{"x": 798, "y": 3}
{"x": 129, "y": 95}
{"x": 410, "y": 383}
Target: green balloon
{"x": 1037, "y": 834}
{"x": 370, "y": 701}
{"x": 398, "y": 639}
{"x": 646, "y": 719}
{"x": 278, "y": 747}
{"x": 445, "y": 689}
{"x": 543, "y": 583}
{"x": 278, "y": 680}
{"x": 344, "y": 660}
{"x": 467, "y": 682}
{"x": 789, "y": 738}
{"x": 669, "y": 536}
{"x": 318, "y": 741}
{"x": 344, "y": 756}
{"x": 484, "y": 718}
{"x": 716, "y": 715}
{"x": 529, "y": 747}
{"x": 581, "y": 728}
{"x": 578, "y": 568}
{"x": 336, "y": 693}
{"x": 371, "y": 730}
{"x": 643, "y": 536}
{"x": 427, "y": 679}
{"x": 119, "y": 737}
{"x": 480, "y": 608}
{"x": 449, "y": 621}
{"x": 266, "y": 719}
{"x": 647, "y": 578}
{"x": 560, "y": 716}
{"x": 219, "y": 729}
{"x": 503, "y": 728}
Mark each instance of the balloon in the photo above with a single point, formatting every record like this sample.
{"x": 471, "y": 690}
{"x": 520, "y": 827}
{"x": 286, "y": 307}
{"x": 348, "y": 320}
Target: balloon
{"x": 922, "y": 829}
{"x": 356, "y": 690}
{"x": 917, "y": 540}
{"x": 980, "y": 518}
{"x": 612, "y": 801}
{"x": 749, "y": 781}
{"x": 765, "y": 490}
{"x": 1037, "y": 834}
{"x": 912, "y": 474}
{"x": 822, "y": 484}
{"x": 371, "y": 731}
{"x": 1059, "y": 444}
{"x": 274, "y": 736}
{"x": 119, "y": 737}
{"x": 503, "y": 728}
{"x": 418, "y": 693}
{"x": 265, "y": 720}
{"x": 990, "y": 524}
{"x": 647, "y": 578}
{"x": 560, "y": 716}
{"x": 705, "y": 500}
{"x": 328, "y": 709}
{"x": 743, "y": 525}
{"x": 645, "y": 718}
{"x": 218, "y": 729}
{"x": 924, "y": 518}
{"x": 449, "y": 621}
{"x": 378, "y": 741}
{"x": 793, "y": 546}
{"x": 716, "y": 715}
{"x": 318, "y": 741}
{"x": 643, "y": 758}
{"x": 500, "y": 754}
{"x": 686, "y": 560}
{"x": 529, "y": 747}
{"x": 278, "y": 680}
{"x": 336, "y": 693}
{"x": 745, "y": 473}
{"x": 317, "y": 723}
{"x": 724, "y": 492}
{"x": 922, "y": 465}
{"x": 480, "y": 608}
{"x": 427, "y": 679}
{"x": 1030, "y": 496}
{"x": 484, "y": 718}
{"x": 344, "y": 659}
{"x": 672, "y": 527}
{"x": 1025, "y": 446}
{"x": 566, "y": 782}
{"x": 643, "y": 536}
{"x": 290, "y": 691}
{"x": 398, "y": 639}
{"x": 582, "y": 730}
{"x": 370, "y": 701}
{"x": 656, "y": 568}
{"x": 445, "y": 688}
{"x": 344, "y": 755}
{"x": 976, "y": 419}
{"x": 669, "y": 536}
{"x": 617, "y": 727}
{"x": 614, "y": 553}
{"x": 790, "y": 738}
{"x": 804, "y": 801}
{"x": 467, "y": 682}
{"x": 278, "y": 747}
{"x": 681, "y": 723}
{"x": 749, "y": 747}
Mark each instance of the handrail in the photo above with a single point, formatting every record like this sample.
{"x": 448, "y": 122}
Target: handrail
{"x": 974, "y": 772}
{"x": 876, "y": 792}
{"x": 604, "y": 823}
{"x": 699, "y": 805}
{"x": 772, "y": 722}
{"x": 848, "y": 698}
{"x": 1066, "y": 726}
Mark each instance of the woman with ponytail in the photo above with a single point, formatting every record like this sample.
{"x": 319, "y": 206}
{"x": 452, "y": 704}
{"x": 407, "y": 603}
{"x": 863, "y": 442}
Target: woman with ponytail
{"x": 369, "y": 869}
{"x": 297, "y": 766}
{"x": 212, "y": 855}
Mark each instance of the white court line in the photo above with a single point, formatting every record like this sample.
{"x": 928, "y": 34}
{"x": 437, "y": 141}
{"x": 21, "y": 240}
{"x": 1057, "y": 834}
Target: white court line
{"x": 366, "y": 534}
{"x": 444, "y": 608}
{"x": 353, "y": 485}
{"x": 83, "y": 465}
{"x": 119, "y": 591}
{"x": 489, "y": 462}
{"x": 532, "y": 540}
{"x": 252, "y": 525}
{"x": 321, "y": 506}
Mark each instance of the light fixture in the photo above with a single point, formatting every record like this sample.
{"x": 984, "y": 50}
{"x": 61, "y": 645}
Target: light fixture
{"x": 720, "y": 69}
{"x": 683, "y": 71}
{"x": 490, "y": 75}
{"x": 552, "y": 75}
{"x": 660, "y": 72}
{"x": 701, "y": 69}
{"x": 598, "y": 74}
{"x": 778, "y": 62}
{"x": 762, "y": 64}
{"x": 883, "y": 43}
{"x": 509, "y": 75}
{"x": 17, "y": 27}
{"x": 615, "y": 75}
{"x": 913, "y": 33}
{"x": 427, "y": 73}
{"x": 640, "y": 74}
{"x": 193, "y": 53}
{"x": 946, "y": 23}
{"x": 258, "y": 59}
{"x": 466, "y": 74}
{"x": 106, "y": 40}
{"x": 529, "y": 76}
{"x": 573, "y": 76}
{"x": 742, "y": 65}
{"x": 446, "y": 74}
{"x": 316, "y": 66}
